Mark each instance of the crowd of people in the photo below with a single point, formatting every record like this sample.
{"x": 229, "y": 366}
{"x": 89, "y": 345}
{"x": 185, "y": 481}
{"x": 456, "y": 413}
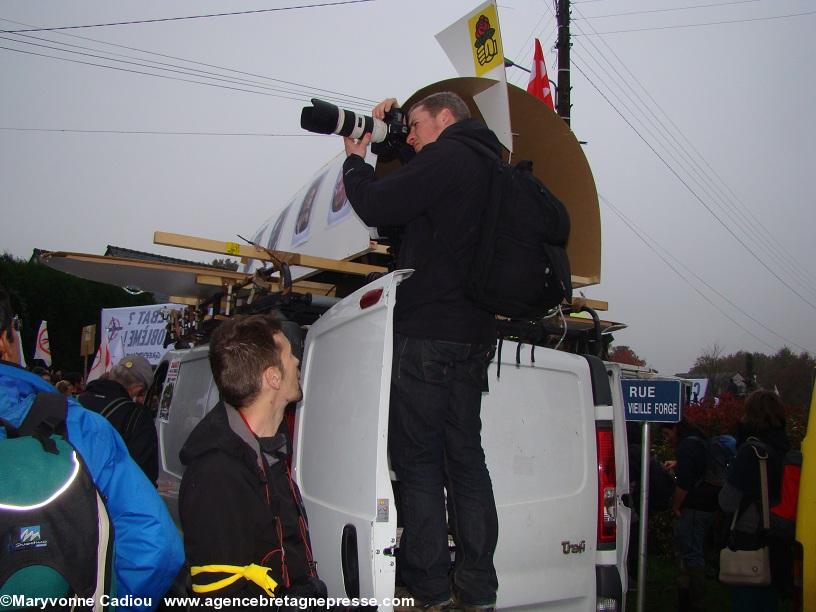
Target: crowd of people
{"x": 712, "y": 512}
{"x": 244, "y": 526}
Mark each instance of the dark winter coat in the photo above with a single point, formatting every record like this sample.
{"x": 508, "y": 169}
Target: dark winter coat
{"x": 690, "y": 471}
{"x": 742, "y": 489}
{"x": 131, "y": 420}
{"x": 234, "y": 512}
{"x": 437, "y": 198}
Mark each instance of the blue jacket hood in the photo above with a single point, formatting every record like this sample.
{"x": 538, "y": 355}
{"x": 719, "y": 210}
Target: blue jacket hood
{"x": 18, "y": 388}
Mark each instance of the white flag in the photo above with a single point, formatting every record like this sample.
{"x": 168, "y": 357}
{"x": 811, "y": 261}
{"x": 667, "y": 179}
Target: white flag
{"x": 474, "y": 47}
{"x": 19, "y": 342}
{"x": 42, "y": 349}
{"x": 102, "y": 362}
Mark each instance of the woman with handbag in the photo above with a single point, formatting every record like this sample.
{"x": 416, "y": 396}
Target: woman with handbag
{"x": 748, "y": 565}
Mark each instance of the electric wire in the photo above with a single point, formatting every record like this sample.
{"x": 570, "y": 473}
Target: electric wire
{"x": 694, "y": 193}
{"x": 654, "y": 246}
{"x": 698, "y": 25}
{"x": 175, "y": 69}
{"x": 310, "y": 88}
{"x": 527, "y": 48}
{"x": 159, "y": 132}
{"x": 667, "y": 10}
{"x": 161, "y": 76}
{"x": 760, "y": 237}
{"x": 164, "y": 19}
{"x": 299, "y": 98}
{"x": 749, "y": 224}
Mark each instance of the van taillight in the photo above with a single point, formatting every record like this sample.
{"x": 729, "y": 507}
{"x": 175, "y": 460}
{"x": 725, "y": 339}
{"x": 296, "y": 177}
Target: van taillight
{"x": 607, "y": 502}
{"x": 370, "y": 298}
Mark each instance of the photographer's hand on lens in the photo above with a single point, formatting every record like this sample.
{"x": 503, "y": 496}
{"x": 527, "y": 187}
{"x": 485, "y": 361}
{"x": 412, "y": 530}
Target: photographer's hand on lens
{"x": 378, "y": 112}
{"x": 355, "y": 146}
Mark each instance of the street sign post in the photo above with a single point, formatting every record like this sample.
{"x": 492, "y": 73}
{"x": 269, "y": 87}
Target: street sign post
{"x": 655, "y": 401}
{"x": 649, "y": 401}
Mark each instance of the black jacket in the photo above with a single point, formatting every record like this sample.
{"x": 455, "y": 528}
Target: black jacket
{"x": 233, "y": 513}
{"x": 691, "y": 469}
{"x": 130, "y": 419}
{"x": 438, "y": 198}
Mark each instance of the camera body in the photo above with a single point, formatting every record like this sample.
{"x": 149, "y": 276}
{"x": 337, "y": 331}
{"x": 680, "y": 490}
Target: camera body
{"x": 326, "y": 118}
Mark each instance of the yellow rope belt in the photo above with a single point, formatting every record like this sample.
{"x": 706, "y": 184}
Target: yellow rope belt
{"x": 255, "y": 573}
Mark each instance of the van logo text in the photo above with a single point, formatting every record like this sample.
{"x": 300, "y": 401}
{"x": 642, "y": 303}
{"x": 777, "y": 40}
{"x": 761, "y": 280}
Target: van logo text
{"x": 569, "y": 547}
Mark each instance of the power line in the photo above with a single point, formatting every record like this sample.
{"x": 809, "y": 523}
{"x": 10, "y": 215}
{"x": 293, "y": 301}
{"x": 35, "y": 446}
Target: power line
{"x": 653, "y": 245}
{"x": 339, "y": 96}
{"x": 158, "y": 20}
{"x": 162, "y": 66}
{"x": 161, "y": 76}
{"x": 667, "y": 10}
{"x": 696, "y": 25}
{"x": 762, "y": 236}
{"x": 694, "y": 193}
{"x": 159, "y": 132}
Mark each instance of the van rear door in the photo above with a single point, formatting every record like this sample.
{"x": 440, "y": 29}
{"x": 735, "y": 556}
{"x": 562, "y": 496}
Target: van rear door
{"x": 341, "y": 433}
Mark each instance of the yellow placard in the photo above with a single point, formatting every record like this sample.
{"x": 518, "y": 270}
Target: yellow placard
{"x": 233, "y": 248}
{"x": 485, "y": 40}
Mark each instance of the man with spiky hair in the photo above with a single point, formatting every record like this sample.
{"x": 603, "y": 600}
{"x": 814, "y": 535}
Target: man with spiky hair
{"x": 245, "y": 529}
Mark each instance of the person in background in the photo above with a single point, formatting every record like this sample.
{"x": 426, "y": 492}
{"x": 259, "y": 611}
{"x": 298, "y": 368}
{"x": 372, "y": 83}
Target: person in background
{"x": 65, "y": 387}
{"x": 693, "y": 505}
{"x": 118, "y": 395}
{"x": 762, "y": 428}
{"x": 147, "y": 548}
{"x": 42, "y": 373}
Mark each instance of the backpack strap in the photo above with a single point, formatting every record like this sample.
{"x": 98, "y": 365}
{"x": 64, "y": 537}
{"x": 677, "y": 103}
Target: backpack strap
{"x": 130, "y": 426}
{"x": 112, "y": 406}
{"x": 45, "y": 418}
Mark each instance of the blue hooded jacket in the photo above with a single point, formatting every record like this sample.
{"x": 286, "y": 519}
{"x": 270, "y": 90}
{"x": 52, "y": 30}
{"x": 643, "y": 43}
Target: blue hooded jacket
{"x": 148, "y": 552}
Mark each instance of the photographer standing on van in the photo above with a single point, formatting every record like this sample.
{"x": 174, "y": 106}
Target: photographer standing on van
{"x": 442, "y": 345}
{"x": 245, "y": 530}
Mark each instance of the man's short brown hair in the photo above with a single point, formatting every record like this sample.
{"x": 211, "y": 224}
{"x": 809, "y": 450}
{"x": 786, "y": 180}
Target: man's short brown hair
{"x": 241, "y": 349}
{"x": 444, "y": 99}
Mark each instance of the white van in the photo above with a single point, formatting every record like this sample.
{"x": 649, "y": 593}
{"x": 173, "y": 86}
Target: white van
{"x": 554, "y": 439}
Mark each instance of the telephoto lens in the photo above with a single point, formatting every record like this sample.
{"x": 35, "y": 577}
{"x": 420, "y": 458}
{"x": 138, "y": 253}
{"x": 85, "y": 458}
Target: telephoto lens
{"x": 325, "y": 118}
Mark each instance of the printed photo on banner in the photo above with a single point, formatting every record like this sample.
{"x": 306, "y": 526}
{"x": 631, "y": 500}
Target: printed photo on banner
{"x": 340, "y": 206}
{"x": 304, "y": 217}
{"x": 274, "y": 236}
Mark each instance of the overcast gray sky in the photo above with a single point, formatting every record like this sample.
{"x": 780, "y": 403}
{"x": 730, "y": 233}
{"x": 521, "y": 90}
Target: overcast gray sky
{"x": 700, "y": 137}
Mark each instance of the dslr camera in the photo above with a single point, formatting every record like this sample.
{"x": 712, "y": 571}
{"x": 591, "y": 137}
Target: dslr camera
{"x": 326, "y": 118}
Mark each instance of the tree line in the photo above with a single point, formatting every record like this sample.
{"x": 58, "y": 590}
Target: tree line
{"x": 68, "y": 303}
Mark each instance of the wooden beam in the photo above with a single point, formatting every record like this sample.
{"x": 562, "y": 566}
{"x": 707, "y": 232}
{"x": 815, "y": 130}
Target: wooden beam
{"x": 239, "y": 250}
{"x": 578, "y": 301}
{"x": 187, "y": 301}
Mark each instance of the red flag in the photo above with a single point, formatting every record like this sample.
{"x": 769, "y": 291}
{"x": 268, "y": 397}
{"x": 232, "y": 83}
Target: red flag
{"x": 539, "y": 84}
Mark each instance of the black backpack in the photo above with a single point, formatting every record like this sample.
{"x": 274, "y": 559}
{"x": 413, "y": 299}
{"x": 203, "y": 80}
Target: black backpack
{"x": 56, "y": 538}
{"x": 719, "y": 453}
{"x": 520, "y": 268}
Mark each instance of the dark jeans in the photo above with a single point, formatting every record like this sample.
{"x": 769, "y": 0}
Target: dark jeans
{"x": 435, "y": 443}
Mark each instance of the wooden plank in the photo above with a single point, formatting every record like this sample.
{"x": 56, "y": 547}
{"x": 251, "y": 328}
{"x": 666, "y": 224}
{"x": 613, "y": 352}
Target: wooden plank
{"x": 578, "y": 301}
{"x": 239, "y": 250}
{"x": 187, "y": 301}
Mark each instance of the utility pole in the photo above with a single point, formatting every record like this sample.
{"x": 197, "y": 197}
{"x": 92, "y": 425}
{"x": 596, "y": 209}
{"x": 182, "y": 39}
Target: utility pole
{"x": 562, "y": 105}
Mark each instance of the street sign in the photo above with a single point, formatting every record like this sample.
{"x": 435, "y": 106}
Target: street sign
{"x": 656, "y": 401}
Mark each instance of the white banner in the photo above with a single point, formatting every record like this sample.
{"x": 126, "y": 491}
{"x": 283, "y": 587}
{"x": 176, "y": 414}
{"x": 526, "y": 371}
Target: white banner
{"x": 137, "y": 330}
